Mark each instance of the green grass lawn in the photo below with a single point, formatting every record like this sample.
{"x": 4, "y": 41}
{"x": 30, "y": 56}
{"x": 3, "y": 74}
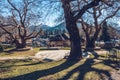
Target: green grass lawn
{"x": 106, "y": 55}
{"x": 65, "y": 48}
{"x": 19, "y": 53}
{"x": 86, "y": 69}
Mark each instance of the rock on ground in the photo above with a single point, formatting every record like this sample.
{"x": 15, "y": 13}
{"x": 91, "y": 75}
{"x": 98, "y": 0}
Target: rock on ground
{"x": 52, "y": 55}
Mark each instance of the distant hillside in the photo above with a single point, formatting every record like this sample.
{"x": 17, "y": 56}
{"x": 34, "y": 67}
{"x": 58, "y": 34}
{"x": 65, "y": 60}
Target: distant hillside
{"x": 45, "y": 27}
{"x": 114, "y": 31}
{"x": 60, "y": 26}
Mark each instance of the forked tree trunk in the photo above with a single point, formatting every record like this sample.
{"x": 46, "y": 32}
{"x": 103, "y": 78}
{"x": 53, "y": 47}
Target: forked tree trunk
{"x": 90, "y": 45}
{"x": 71, "y": 26}
{"x": 20, "y": 45}
{"x": 90, "y": 40}
{"x": 76, "y": 52}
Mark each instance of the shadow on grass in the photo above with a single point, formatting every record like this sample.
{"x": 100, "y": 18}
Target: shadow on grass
{"x": 14, "y": 50}
{"x": 37, "y": 74}
{"x": 109, "y": 62}
{"x": 83, "y": 69}
{"x": 11, "y": 63}
{"x": 113, "y": 62}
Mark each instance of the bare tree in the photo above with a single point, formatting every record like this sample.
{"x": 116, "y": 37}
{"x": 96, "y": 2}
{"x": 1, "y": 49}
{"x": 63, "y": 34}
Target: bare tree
{"x": 22, "y": 24}
{"x": 1, "y": 21}
{"x": 71, "y": 18}
{"x": 99, "y": 17}
{"x": 72, "y": 14}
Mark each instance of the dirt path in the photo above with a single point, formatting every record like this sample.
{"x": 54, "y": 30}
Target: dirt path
{"x": 52, "y": 55}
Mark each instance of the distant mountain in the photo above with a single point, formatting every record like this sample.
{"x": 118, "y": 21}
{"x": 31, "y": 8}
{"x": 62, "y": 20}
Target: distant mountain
{"x": 45, "y": 27}
{"x": 60, "y": 26}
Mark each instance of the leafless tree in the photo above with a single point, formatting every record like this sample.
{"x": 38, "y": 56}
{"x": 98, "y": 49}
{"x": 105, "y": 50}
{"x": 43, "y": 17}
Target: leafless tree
{"x": 19, "y": 23}
{"x": 99, "y": 14}
{"x": 72, "y": 15}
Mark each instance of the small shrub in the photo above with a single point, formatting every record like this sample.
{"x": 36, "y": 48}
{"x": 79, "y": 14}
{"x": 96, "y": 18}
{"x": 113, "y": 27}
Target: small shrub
{"x": 7, "y": 46}
{"x": 1, "y": 48}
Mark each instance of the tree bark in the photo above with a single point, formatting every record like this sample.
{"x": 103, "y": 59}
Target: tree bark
{"x": 76, "y": 52}
{"x": 90, "y": 45}
{"x": 20, "y": 45}
{"x": 71, "y": 24}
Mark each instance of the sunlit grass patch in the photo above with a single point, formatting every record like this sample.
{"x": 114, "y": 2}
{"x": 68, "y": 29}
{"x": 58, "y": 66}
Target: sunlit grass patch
{"x": 92, "y": 76}
{"x": 74, "y": 72}
{"x": 102, "y": 66}
{"x": 19, "y": 53}
{"x": 19, "y": 67}
{"x": 66, "y": 71}
{"x": 56, "y": 70}
{"x": 65, "y": 48}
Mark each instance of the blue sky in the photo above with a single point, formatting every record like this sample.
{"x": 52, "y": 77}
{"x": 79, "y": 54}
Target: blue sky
{"x": 49, "y": 13}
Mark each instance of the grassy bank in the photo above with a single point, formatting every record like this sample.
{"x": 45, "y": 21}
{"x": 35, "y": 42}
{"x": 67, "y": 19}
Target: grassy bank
{"x": 9, "y": 53}
{"x": 86, "y": 69}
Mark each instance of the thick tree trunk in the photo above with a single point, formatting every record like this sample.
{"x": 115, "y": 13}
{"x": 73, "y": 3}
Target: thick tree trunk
{"x": 20, "y": 45}
{"x": 90, "y": 40}
{"x": 90, "y": 45}
{"x": 76, "y": 52}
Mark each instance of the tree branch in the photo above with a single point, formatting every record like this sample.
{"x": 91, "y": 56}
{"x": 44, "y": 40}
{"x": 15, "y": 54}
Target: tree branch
{"x": 8, "y": 32}
{"x": 110, "y": 16}
{"x": 86, "y": 7}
